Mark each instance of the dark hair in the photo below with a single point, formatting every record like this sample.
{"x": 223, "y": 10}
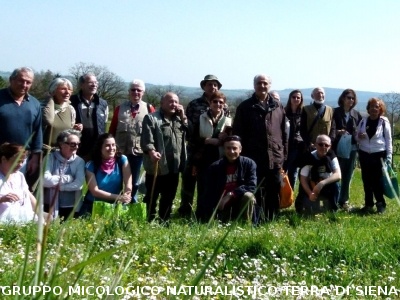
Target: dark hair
{"x": 343, "y": 95}
{"x": 217, "y": 95}
{"x": 230, "y": 138}
{"x": 288, "y": 104}
{"x": 96, "y": 152}
{"x": 9, "y": 150}
{"x": 382, "y": 106}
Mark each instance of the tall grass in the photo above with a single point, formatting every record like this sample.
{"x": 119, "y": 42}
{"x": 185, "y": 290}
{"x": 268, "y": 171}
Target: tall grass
{"x": 344, "y": 249}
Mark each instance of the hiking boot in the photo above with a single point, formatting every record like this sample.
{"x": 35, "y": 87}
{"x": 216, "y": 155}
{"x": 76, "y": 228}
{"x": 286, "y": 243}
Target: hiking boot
{"x": 367, "y": 209}
{"x": 380, "y": 207}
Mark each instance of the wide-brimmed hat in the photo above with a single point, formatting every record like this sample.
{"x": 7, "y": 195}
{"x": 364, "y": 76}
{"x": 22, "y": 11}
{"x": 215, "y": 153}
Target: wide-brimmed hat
{"x": 209, "y": 78}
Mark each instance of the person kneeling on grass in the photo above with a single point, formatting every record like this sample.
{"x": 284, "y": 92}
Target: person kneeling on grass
{"x": 231, "y": 184}
{"x": 321, "y": 175}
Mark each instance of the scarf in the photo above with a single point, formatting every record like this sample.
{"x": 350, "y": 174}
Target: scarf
{"x": 107, "y": 165}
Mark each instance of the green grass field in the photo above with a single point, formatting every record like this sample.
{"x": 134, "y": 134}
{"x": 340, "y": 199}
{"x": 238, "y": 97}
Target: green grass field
{"x": 291, "y": 258}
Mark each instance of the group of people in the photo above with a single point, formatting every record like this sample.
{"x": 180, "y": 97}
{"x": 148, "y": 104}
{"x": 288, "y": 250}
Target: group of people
{"x": 235, "y": 162}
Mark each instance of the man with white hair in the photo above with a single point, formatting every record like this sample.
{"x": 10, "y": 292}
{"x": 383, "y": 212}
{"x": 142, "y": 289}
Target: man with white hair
{"x": 260, "y": 121}
{"x": 126, "y": 127}
{"x": 316, "y": 119}
{"x": 91, "y": 113}
{"x": 21, "y": 119}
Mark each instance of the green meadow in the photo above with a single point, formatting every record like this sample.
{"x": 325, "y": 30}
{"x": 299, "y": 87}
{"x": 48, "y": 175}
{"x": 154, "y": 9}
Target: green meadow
{"x": 326, "y": 256}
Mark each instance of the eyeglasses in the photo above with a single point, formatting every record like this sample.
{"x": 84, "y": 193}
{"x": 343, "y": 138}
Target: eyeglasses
{"x": 350, "y": 98}
{"x": 136, "y": 90}
{"x": 72, "y": 144}
{"x": 323, "y": 145}
{"x": 218, "y": 102}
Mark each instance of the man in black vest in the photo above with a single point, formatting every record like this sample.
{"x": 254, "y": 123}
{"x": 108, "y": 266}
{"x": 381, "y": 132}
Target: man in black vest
{"x": 91, "y": 113}
{"x": 320, "y": 176}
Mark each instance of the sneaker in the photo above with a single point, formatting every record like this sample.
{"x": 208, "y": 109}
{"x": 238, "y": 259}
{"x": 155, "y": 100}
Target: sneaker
{"x": 380, "y": 207}
{"x": 367, "y": 209}
{"x": 346, "y": 207}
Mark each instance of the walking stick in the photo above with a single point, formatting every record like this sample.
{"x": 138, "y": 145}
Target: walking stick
{"x": 152, "y": 187}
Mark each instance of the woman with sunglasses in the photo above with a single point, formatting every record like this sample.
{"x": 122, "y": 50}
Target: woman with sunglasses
{"x": 212, "y": 129}
{"x": 375, "y": 143}
{"x": 17, "y": 204}
{"x": 293, "y": 109}
{"x": 58, "y": 114}
{"x": 64, "y": 176}
{"x": 344, "y": 123}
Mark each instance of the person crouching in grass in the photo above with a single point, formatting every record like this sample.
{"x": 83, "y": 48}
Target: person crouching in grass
{"x": 320, "y": 176}
{"x": 231, "y": 184}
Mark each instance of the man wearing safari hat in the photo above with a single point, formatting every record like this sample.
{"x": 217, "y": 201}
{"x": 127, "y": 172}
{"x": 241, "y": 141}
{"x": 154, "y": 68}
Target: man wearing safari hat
{"x": 210, "y": 84}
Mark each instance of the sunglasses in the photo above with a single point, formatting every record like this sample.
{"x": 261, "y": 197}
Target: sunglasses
{"x": 72, "y": 144}
{"x": 136, "y": 90}
{"x": 323, "y": 145}
{"x": 218, "y": 102}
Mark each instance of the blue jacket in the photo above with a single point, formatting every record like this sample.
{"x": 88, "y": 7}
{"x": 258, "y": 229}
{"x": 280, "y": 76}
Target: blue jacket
{"x": 20, "y": 124}
{"x": 216, "y": 179}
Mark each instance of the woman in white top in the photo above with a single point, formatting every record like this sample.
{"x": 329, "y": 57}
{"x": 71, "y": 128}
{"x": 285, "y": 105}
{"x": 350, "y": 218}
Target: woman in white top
{"x": 17, "y": 204}
{"x": 375, "y": 143}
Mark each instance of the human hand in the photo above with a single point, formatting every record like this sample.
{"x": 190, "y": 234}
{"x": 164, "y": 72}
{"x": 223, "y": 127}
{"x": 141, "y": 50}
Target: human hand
{"x": 78, "y": 127}
{"x": 224, "y": 201}
{"x": 33, "y": 164}
{"x": 212, "y": 141}
{"x": 362, "y": 135}
{"x": 10, "y": 197}
{"x": 155, "y": 156}
{"x": 124, "y": 198}
{"x": 180, "y": 111}
{"x": 313, "y": 196}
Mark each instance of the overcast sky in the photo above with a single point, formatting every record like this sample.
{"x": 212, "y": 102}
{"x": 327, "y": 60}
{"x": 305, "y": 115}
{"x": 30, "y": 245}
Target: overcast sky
{"x": 300, "y": 44}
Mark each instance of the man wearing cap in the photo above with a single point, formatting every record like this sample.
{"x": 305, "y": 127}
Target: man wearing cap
{"x": 231, "y": 184}
{"x": 261, "y": 122}
{"x": 210, "y": 84}
{"x": 126, "y": 127}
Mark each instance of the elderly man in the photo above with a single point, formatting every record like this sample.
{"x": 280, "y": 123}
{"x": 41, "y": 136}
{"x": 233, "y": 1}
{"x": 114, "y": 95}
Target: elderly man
{"x": 21, "y": 119}
{"x": 210, "y": 84}
{"x": 231, "y": 184}
{"x": 126, "y": 126}
{"x": 320, "y": 176}
{"x": 91, "y": 113}
{"x": 316, "y": 119}
{"x": 164, "y": 154}
{"x": 260, "y": 122}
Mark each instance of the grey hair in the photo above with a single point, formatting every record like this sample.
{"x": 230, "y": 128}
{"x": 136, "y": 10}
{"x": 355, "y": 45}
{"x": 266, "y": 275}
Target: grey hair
{"x": 138, "y": 82}
{"x": 262, "y": 75}
{"x": 82, "y": 78}
{"x": 57, "y": 82}
{"x": 63, "y": 135}
{"x": 18, "y": 71}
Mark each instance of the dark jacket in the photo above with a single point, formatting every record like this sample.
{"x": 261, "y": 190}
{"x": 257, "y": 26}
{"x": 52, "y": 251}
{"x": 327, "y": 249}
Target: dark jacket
{"x": 339, "y": 123}
{"x": 262, "y": 132}
{"x": 216, "y": 180}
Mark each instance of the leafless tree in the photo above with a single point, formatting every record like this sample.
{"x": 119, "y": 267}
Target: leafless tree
{"x": 154, "y": 93}
{"x": 111, "y": 87}
{"x": 392, "y": 102}
{"x": 41, "y": 82}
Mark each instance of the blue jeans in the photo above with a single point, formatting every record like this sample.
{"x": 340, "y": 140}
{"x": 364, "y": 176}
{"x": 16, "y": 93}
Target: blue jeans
{"x": 291, "y": 166}
{"x": 347, "y": 166}
{"x": 135, "y": 161}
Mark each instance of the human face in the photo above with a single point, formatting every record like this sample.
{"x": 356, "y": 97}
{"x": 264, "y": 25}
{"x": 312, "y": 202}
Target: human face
{"x": 262, "y": 87}
{"x": 318, "y": 95}
{"x": 13, "y": 164}
{"x": 21, "y": 84}
{"x": 323, "y": 145}
{"x": 217, "y": 105}
{"x": 374, "y": 110}
{"x": 136, "y": 93}
{"x": 169, "y": 104}
{"x": 232, "y": 150}
{"x": 89, "y": 87}
{"x": 108, "y": 149}
{"x": 295, "y": 99}
{"x": 210, "y": 87}
{"x": 349, "y": 100}
{"x": 70, "y": 147}
{"x": 62, "y": 94}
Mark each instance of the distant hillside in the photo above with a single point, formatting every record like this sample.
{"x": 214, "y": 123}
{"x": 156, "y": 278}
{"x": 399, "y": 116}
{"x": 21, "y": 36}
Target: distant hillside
{"x": 236, "y": 95}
